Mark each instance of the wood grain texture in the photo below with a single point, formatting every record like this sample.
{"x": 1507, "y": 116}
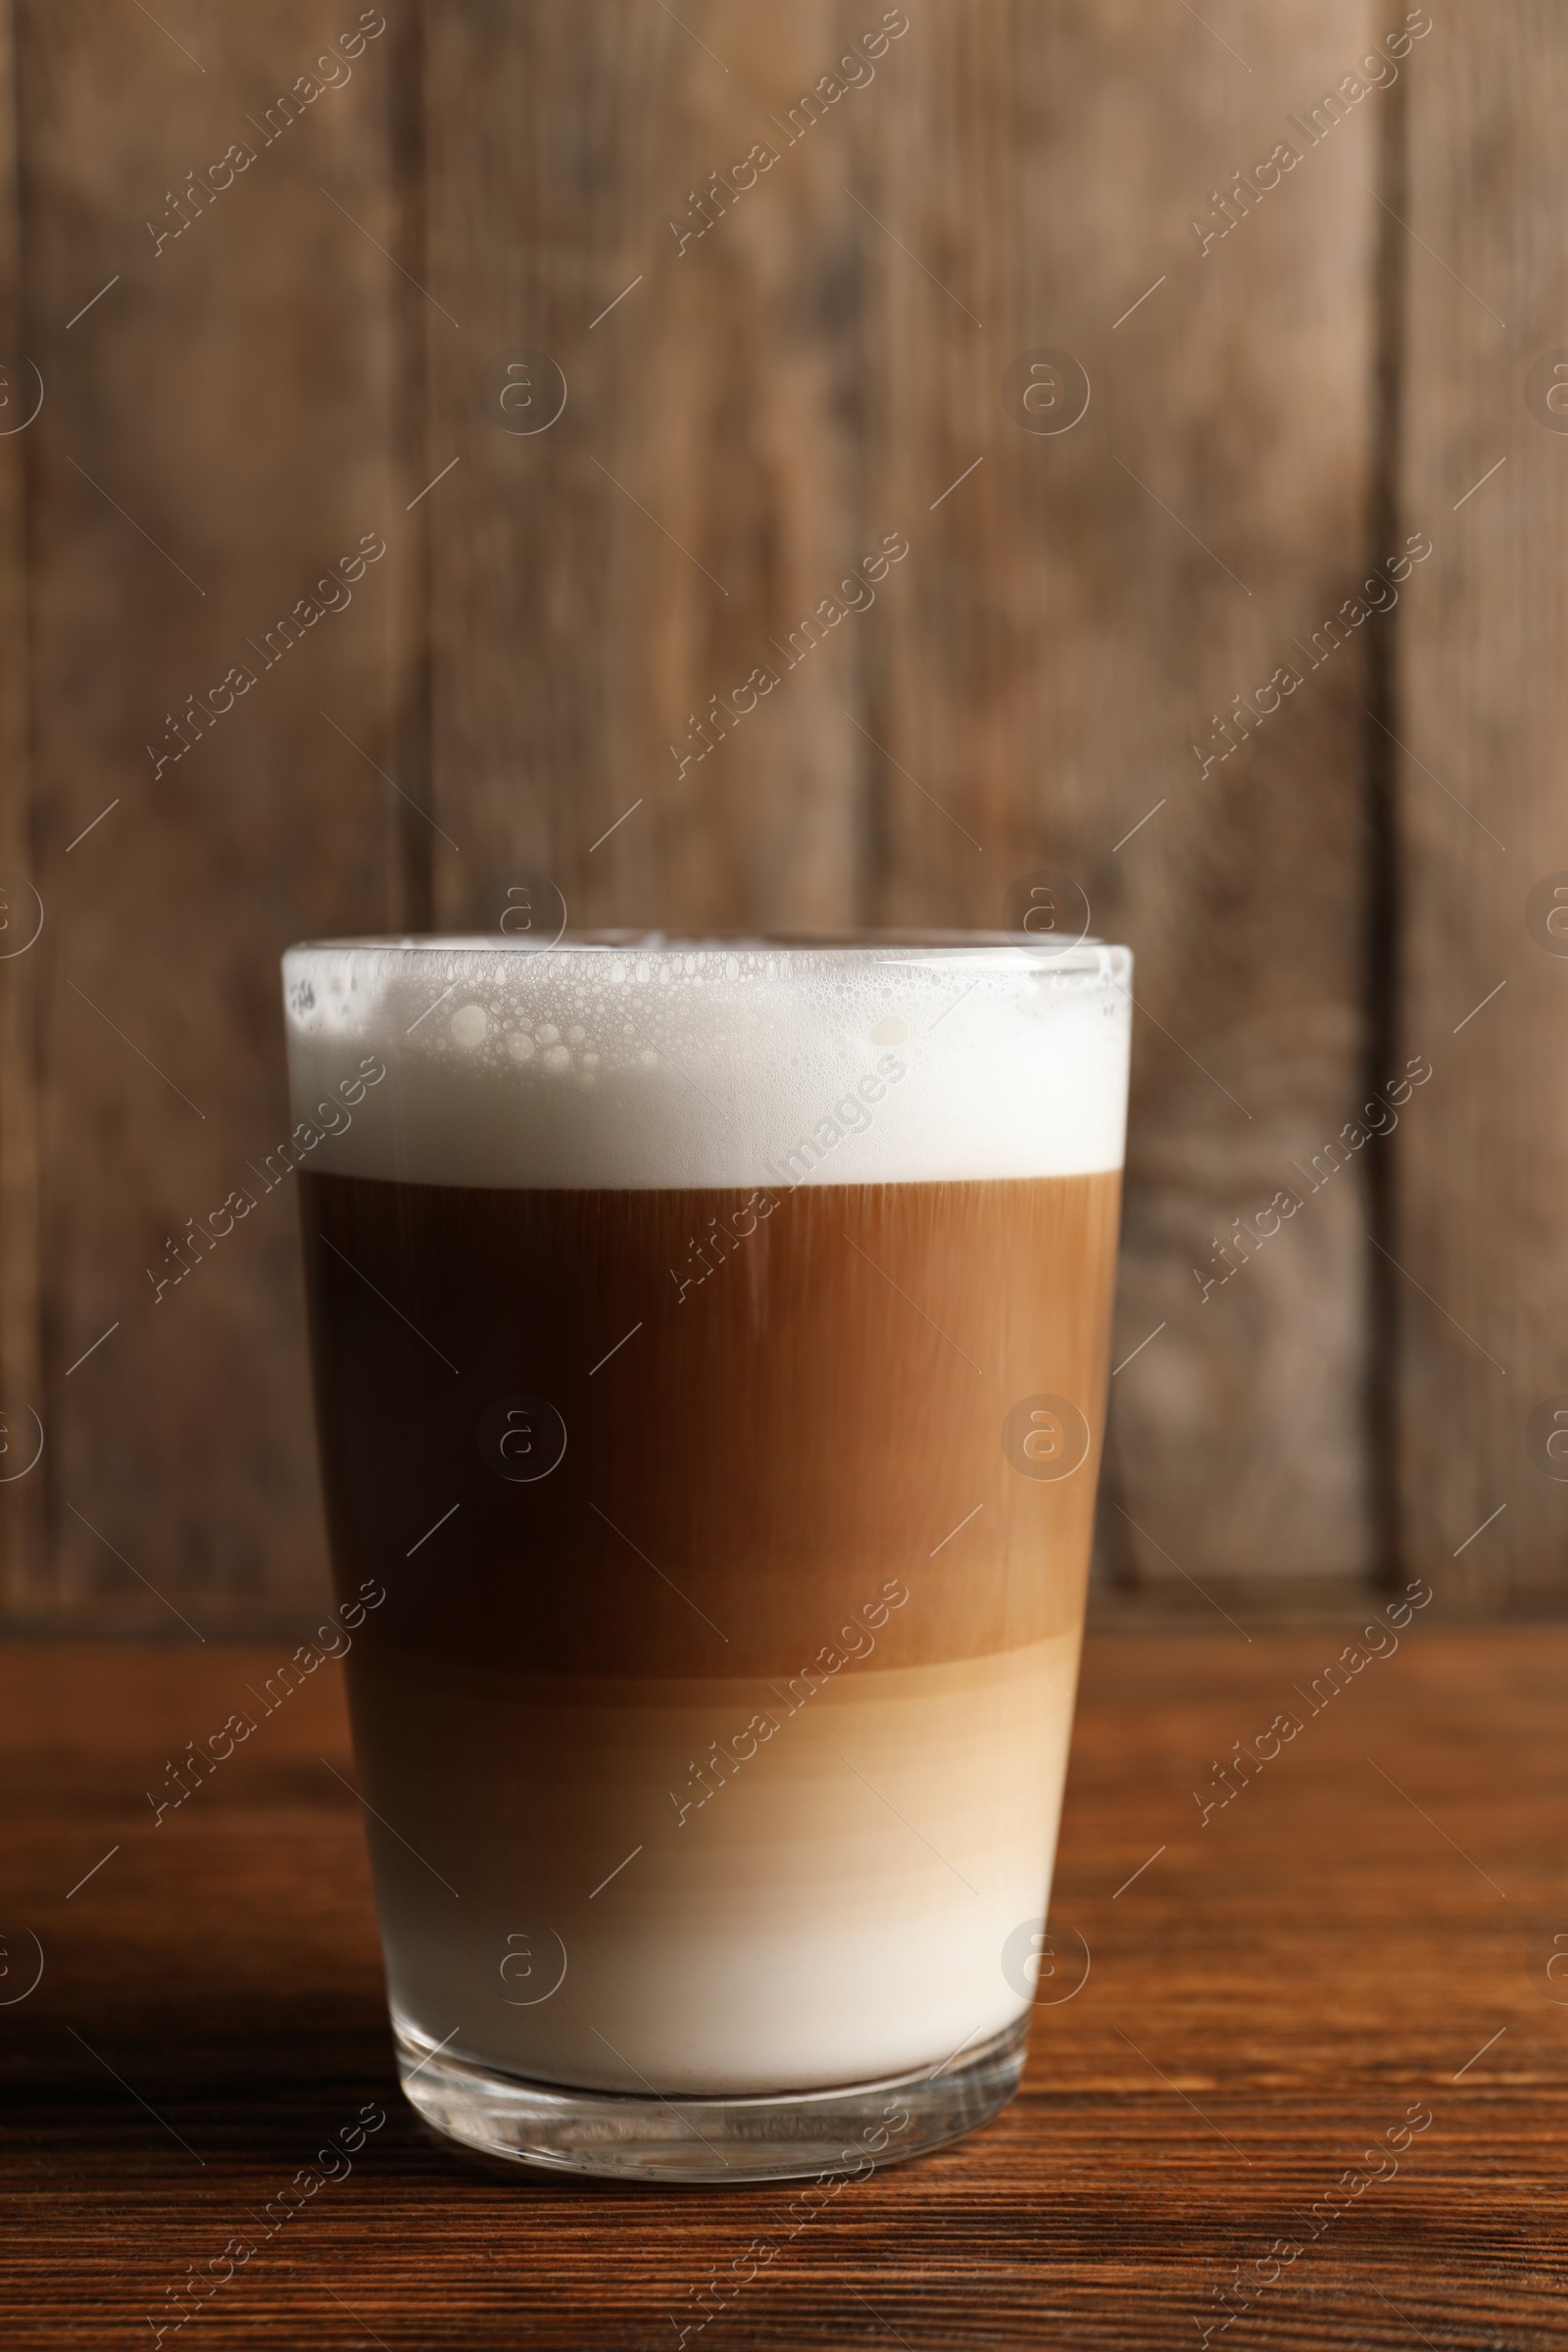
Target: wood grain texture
{"x": 217, "y": 438}
{"x": 1079, "y": 610}
{"x": 818, "y": 370}
{"x": 1268, "y": 1997}
{"x": 596, "y": 583}
{"x": 547, "y": 669}
{"x": 24, "y": 1567}
{"x": 1483, "y": 1288}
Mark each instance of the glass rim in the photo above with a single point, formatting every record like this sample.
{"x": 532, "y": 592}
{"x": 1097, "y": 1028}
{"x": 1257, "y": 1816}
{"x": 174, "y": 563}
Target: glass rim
{"x": 871, "y": 942}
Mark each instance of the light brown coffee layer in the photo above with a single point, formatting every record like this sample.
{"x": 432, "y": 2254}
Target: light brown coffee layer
{"x": 810, "y": 1399}
{"x": 699, "y": 1886}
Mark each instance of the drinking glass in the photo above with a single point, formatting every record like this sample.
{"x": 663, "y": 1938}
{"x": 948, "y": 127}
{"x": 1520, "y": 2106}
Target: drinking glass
{"x": 709, "y": 1345}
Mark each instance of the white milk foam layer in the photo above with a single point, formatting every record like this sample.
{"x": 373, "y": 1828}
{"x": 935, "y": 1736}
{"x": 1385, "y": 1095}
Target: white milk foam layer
{"x": 640, "y": 1065}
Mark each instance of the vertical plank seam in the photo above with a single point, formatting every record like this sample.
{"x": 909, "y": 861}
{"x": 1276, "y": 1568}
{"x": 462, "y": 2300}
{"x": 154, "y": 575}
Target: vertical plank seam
{"x": 868, "y": 828}
{"x": 1383, "y": 952}
{"x": 413, "y": 689}
{"x": 25, "y": 1576}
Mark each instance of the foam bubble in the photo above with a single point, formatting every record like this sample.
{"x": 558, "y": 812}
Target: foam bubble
{"x": 647, "y": 1063}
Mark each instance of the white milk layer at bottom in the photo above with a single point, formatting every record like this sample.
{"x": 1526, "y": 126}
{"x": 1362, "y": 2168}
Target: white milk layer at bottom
{"x": 560, "y": 1898}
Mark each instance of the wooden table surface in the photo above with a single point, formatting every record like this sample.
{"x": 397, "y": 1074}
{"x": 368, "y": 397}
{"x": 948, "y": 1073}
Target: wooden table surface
{"x": 1361, "y": 1940}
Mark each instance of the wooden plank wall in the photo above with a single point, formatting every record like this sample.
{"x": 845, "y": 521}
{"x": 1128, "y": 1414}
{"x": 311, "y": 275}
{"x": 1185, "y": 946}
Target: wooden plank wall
{"x": 595, "y": 582}
{"x": 216, "y": 436}
{"x": 815, "y": 371}
{"x": 1481, "y": 1289}
{"x": 770, "y": 367}
{"x": 1081, "y": 610}
{"x": 23, "y": 1550}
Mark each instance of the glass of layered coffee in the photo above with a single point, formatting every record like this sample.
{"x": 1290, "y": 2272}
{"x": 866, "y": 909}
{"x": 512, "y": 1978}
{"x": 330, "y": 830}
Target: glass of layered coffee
{"x": 709, "y": 1345}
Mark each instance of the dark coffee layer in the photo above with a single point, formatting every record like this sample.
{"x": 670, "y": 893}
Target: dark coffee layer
{"x": 773, "y": 1407}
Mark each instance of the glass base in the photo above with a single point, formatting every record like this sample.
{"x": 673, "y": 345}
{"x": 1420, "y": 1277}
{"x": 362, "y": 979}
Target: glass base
{"x": 782, "y": 2136}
